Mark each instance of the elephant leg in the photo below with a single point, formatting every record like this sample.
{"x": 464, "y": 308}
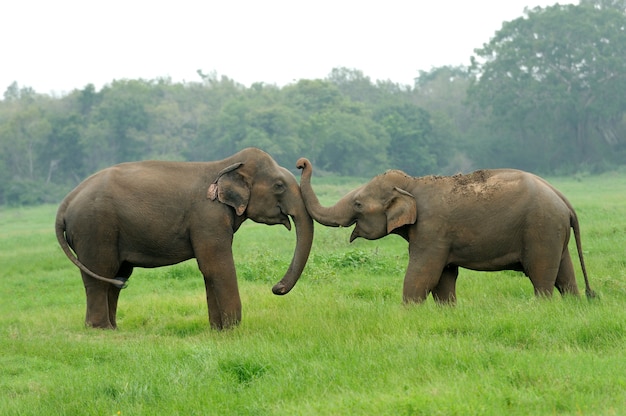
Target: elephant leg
{"x": 216, "y": 263}
{"x": 445, "y": 291}
{"x": 97, "y": 315}
{"x": 423, "y": 272}
{"x": 542, "y": 271}
{"x": 114, "y": 293}
{"x": 215, "y": 316}
{"x": 566, "y": 278}
{"x": 99, "y": 253}
{"x": 223, "y": 301}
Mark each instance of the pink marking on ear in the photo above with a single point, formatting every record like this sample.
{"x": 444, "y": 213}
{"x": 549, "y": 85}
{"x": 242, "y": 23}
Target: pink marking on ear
{"x": 212, "y": 192}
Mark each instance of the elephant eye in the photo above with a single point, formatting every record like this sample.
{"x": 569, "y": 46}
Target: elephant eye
{"x": 279, "y": 187}
{"x": 358, "y": 206}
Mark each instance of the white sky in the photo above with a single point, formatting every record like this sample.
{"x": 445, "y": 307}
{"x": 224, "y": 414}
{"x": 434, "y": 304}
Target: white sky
{"x": 55, "y": 46}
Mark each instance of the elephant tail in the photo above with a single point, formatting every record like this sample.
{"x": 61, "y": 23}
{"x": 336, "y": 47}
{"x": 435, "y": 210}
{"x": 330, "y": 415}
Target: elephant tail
{"x": 576, "y": 227}
{"x": 573, "y": 220}
{"x": 120, "y": 282}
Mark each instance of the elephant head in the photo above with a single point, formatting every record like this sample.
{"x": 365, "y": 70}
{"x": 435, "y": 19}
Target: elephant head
{"x": 259, "y": 189}
{"x": 376, "y": 209}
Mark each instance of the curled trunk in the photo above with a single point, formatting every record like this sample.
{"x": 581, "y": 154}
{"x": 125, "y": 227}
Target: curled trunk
{"x": 339, "y": 215}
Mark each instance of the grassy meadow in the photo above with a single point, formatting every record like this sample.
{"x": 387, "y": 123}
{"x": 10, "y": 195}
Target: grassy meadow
{"x": 340, "y": 343}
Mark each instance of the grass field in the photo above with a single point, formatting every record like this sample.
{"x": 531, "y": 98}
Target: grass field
{"x": 340, "y": 343}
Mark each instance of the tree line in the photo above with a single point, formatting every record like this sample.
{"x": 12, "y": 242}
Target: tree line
{"x": 546, "y": 94}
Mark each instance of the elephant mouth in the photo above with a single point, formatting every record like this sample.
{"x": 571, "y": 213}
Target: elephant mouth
{"x": 274, "y": 218}
{"x": 286, "y": 223}
{"x": 367, "y": 233}
{"x": 284, "y": 219}
{"x": 354, "y": 235}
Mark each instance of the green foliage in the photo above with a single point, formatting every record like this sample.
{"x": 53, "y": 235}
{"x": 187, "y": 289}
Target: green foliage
{"x": 340, "y": 342}
{"x": 243, "y": 372}
{"x": 556, "y": 80}
{"x": 412, "y": 147}
{"x": 31, "y": 192}
{"x": 546, "y": 94}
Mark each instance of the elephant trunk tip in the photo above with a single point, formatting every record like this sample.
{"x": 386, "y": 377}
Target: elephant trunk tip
{"x": 302, "y": 163}
{"x": 281, "y": 289}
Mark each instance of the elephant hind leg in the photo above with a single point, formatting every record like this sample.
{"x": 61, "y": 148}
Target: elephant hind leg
{"x": 97, "y": 314}
{"x": 542, "y": 273}
{"x": 112, "y": 297}
{"x": 102, "y": 298}
{"x": 566, "y": 278}
{"x": 114, "y": 293}
{"x": 445, "y": 291}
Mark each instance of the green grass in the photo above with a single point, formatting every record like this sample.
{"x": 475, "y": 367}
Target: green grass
{"x": 340, "y": 343}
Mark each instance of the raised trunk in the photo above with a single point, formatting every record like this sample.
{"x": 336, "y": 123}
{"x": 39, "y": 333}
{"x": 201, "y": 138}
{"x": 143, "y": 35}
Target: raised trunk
{"x": 304, "y": 240}
{"x": 339, "y": 215}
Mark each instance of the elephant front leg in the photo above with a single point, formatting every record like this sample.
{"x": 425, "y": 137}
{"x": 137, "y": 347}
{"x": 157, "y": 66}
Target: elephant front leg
{"x": 445, "y": 291}
{"x": 417, "y": 285}
{"x": 222, "y": 292}
{"x": 422, "y": 276}
{"x": 224, "y": 304}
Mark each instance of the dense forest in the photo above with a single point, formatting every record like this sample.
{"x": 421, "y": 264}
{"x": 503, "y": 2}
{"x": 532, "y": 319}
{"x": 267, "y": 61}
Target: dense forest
{"x": 546, "y": 94}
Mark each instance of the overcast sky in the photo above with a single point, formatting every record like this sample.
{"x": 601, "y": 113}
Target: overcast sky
{"x": 55, "y": 46}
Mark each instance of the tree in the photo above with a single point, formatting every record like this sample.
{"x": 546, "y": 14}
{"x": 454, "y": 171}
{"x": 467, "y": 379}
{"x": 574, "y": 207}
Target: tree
{"x": 24, "y": 130}
{"x": 556, "y": 81}
{"x": 411, "y": 146}
{"x": 354, "y": 84}
{"x": 456, "y": 126}
{"x": 619, "y": 5}
{"x": 337, "y": 128}
{"x": 113, "y": 133}
{"x": 25, "y": 134}
{"x": 312, "y": 96}
{"x": 347, "y": 141}
{"x": 275, "y": 129}
{"x": 442, "y": 91}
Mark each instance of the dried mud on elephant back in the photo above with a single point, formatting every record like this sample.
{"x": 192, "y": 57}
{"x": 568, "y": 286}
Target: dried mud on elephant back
{"x": 474, "y": 183}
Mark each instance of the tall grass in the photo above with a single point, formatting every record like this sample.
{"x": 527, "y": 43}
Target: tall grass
{"x": 340, "y": 343}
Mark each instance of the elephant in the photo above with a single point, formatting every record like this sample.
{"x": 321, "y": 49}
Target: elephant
{"x": 488, "y": 220}
{"x": 158, "y": 213}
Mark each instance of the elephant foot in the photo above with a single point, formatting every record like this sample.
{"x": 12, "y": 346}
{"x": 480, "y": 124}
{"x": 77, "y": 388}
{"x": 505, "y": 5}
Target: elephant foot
{"x": 445, "y": 300}
{"x": 106, "y": 325}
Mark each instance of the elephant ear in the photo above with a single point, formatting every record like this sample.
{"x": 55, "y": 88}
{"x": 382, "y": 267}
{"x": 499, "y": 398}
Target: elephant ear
{"x": 231, "y": 188}
{"x": 401, "y": 210}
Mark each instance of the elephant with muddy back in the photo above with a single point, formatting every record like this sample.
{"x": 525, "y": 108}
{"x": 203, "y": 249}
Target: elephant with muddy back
{"x": 153, "y": 213}
{"x": 488, "y": 220}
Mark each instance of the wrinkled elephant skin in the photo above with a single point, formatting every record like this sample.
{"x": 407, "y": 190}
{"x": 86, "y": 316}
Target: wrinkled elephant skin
{"x": 153, "y": 213}
{"x": 488, "y": 220}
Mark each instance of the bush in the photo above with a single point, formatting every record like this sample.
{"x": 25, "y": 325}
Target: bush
{"x": 19, "y": 192}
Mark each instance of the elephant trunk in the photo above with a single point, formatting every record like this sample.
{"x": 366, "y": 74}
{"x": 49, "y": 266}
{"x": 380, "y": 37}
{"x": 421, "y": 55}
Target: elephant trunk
{"x": 304, "y": 241}
{"x": 339, "y": 215}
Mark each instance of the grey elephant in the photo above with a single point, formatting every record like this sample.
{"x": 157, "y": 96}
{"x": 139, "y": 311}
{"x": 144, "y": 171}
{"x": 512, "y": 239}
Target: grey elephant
{"x": 488, "y": 220}
{"x": 155, "y": 213}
